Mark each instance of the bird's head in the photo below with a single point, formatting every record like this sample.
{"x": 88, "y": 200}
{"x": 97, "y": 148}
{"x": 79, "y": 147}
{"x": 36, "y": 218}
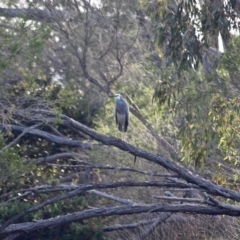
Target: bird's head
{"x": 117, "y": 95}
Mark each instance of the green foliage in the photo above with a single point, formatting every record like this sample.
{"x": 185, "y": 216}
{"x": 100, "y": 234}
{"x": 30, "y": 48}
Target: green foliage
{"x": 203, "y": 106}
{"x": 86, "y": 232}
{"x": 9, "y": 210}
{"x": 229, "y": 60}
{"x": 12, "y": 169}
{"x": 24, "y": 41}
{"x": 225, "y": 119}
{"x": 206, "y": 107}
{"x": 167, "y": 88}
{"x": 73, "y": 231}
{"x": 184, "y": 29}
{"x": 78, "y": 105}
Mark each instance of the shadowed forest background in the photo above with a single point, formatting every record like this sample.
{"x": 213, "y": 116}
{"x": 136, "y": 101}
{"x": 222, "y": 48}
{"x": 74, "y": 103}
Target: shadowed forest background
{"x": 66, "y": 172}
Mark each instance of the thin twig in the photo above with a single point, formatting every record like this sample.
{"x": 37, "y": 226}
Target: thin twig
{"x": 54, "y": 157}
{"x": 91, "y": 165}
{"x": 128, "y": 226}
{"x": 118, "y": 199}
{"x": 193, "y": 200}
{"x": 159, "y": 220}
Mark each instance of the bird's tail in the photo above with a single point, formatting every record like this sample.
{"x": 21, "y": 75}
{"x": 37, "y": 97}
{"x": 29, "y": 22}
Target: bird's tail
{"x": 120, "y": 128}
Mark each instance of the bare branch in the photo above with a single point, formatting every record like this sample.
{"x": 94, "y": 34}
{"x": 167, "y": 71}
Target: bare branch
{"x": 71, "y": 187}
{"x": 164, "y": 162}
{"x": 136, "y": 112}
{"x": 55, "y": 131}
{"x": 27, "y": 130}
{"x": 193, "y": 200}
{"x": 47, "y": 136}
{"x": 157, "y": 221}
{"x": 82, "y": 189}
{"x": 34, "y": 14}
{"x": 54, "y": 157}
{"x": 172, "y": 218}
{"x": 181, "y": 171}
{"x": 128, "y": 226}
{"x": 121, "y": 200}
{"x": 92, "y": 165}
{"x": 110, "y": 211}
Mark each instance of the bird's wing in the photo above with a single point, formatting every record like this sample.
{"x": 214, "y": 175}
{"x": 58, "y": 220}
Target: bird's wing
{"x": 126, "y": 121}
{"x": 116, "y": 116}
{"x": 121, "y": 107}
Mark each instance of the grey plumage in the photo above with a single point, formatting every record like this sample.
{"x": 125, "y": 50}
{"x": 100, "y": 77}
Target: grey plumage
{"x": 121, "y": 113}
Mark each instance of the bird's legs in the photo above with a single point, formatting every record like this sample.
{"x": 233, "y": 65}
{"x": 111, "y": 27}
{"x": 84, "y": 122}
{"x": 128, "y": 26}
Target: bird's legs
{"x": 121, "y": 135}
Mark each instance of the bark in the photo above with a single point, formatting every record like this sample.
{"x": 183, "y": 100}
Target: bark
{"x": 49, "y": 137}
{"x": 114, "y": 211}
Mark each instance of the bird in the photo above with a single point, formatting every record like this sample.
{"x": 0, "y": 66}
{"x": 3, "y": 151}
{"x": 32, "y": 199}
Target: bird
{"x": 121, "y": 113}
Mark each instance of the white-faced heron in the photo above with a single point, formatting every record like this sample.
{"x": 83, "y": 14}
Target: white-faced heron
{"x": 121, "y": 113}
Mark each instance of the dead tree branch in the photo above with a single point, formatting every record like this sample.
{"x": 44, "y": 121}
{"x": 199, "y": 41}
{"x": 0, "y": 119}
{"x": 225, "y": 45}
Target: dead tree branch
{"x": 35, "y": 14}
{"x": 172, "y": 218}
{"x": 46, "y": 135}
{"x": 109, "y": 196}
{"x": 182, "y": 172}
{"x": 52, "y": 158}
{"x": 87, "y": 165}
{"x": 18, "y": 137}
{"x": 157, "y": 221}
{"x": 136, "y": 112}
{"x": 111, "y": 211}
{"x": 192, "y": 200}
{"x": 82, "y": 189}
